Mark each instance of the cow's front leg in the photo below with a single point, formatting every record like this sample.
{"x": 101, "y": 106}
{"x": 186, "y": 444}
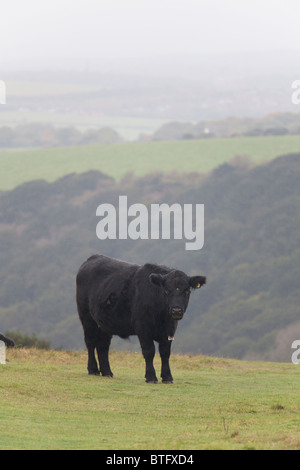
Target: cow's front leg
{"x": 148, "y": 350}
{"x": 165, "y": 351}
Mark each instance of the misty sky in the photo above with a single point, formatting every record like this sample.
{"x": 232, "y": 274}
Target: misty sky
{"x": 76, "y": 31}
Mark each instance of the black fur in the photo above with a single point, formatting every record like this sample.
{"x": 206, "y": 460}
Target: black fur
{"x": 9, "y": 342}
{"x": 119, "y": 298}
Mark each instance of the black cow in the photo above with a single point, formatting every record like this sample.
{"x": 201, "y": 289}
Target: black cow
{"x": 124, "y": 299}
{"x": 9, "y": 342}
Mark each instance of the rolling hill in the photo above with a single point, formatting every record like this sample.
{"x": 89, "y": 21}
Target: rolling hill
{"x": 249, "y": 307}
{"x": 139, "y": 158}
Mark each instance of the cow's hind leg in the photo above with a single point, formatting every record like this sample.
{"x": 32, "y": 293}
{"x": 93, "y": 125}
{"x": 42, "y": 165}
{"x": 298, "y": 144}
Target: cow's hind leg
{"x": 90, "y": 341}
{"x": 90, "y": 330}
{"x": 102, "y": 346}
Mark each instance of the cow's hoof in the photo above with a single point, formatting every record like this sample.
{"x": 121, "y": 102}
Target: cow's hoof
{"x": 152, "y": 381}
{"x": 167, "y": 381}
{"x": 109, "y": 376}
{"x": 96, "y": 372}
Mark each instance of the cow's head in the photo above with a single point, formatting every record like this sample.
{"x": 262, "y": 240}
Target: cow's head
{"x": 176, "y": 287}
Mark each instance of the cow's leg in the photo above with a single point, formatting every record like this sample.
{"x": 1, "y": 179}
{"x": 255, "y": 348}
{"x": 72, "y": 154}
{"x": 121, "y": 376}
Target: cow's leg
{"x": 102, "y": 346}
{"x": 90, "y": 329}
{"x": 165, "y": 351}
{"x": 148, "y": 350}
{"x": 90, "y": 341}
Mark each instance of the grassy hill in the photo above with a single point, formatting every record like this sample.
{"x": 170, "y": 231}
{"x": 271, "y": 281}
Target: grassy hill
{"x": 251, "y": 255}
{"x": 141, "y": 158}
{"x": 48, "y": 401}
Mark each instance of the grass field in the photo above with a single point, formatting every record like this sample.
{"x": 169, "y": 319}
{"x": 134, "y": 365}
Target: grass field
{"x": 48, "y": 401}
{"x": 19, "y": 166}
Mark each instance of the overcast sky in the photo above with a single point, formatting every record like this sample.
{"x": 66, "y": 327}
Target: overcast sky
{"x": 78, "y": 31}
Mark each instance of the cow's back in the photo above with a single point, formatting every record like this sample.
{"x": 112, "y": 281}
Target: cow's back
{"x": 98, "y": 268}
{"x": 101, "y": 282}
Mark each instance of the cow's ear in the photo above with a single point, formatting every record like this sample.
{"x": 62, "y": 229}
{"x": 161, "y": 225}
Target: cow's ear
{"x": 197, "y": 281}
{"x": 157, "y": 279}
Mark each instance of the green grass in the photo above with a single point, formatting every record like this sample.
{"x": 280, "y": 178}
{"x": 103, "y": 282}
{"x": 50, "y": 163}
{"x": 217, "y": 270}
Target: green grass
{"x": 140, "y": 158}
{"x": 48, "y": 401}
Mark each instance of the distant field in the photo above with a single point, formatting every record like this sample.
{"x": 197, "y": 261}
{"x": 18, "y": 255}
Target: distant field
{"x": 129, "y": 128}
{"x": 19, "y": 166}
{"x": 48, "y": 401}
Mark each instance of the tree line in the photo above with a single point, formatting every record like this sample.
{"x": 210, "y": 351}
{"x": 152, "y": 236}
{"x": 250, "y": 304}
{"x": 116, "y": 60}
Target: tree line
{"x": 47, "y": 135}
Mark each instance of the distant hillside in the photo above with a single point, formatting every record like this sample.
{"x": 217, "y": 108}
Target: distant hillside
{"x": 47, "y": 135}
{"x": 272, "y": 124}
{"x": 251, "y": 255}
{"x": 138, "y": 158}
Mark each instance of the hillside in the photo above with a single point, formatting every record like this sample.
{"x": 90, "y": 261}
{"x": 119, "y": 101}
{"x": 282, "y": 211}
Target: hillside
{"x": 48, "y": 401}
{"x": 272, "y": 124}
{"x": 249, "y": 307}
{"x": 139, "y": 158}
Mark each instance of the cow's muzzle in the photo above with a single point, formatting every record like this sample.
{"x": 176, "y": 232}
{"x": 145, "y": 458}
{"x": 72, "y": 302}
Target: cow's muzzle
{"x": 177, "y": 313}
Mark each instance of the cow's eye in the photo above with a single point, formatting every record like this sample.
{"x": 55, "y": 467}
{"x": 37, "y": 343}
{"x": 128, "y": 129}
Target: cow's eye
{"x": 166, "y": 291}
